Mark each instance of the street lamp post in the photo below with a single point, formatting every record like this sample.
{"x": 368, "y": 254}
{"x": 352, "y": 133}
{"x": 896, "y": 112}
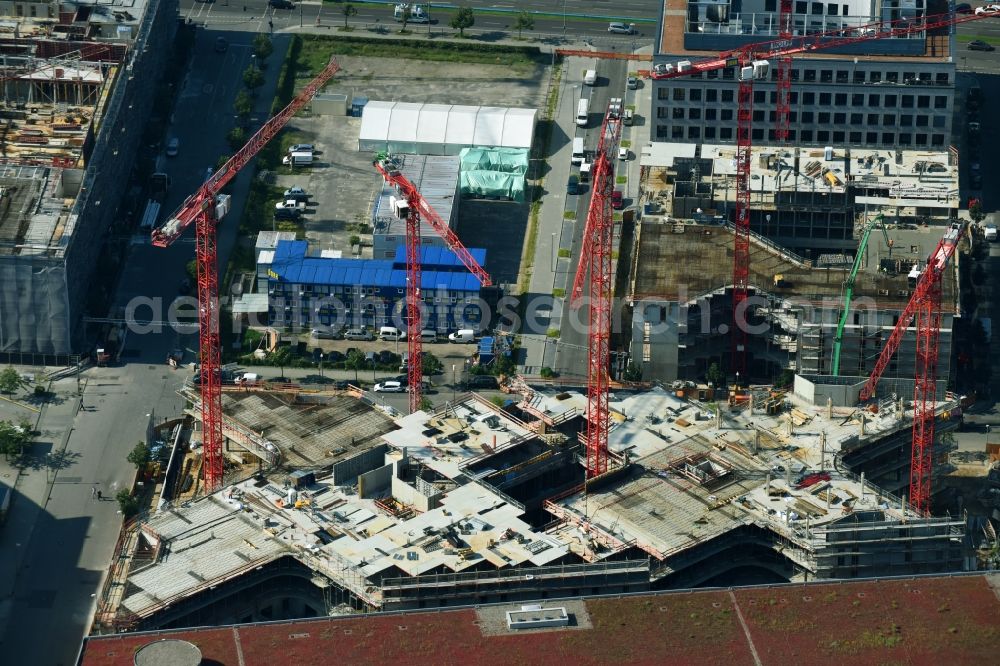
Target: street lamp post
{"x": 454, "y": 384}
{"x": 321, "y": 364}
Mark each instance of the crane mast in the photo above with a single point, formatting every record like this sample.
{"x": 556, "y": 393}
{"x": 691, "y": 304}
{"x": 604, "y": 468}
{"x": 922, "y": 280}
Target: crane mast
{"x": 205, "y": 208}
{"x": 595, "y": 259}
{"x": 418, "y": 209}
{"x": 838, "y": 338}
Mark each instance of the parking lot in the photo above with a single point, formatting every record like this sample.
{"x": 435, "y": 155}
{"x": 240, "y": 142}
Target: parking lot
{"x": 343, "y": 183}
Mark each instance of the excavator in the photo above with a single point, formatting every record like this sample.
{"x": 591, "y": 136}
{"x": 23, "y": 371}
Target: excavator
{"x": 849, "y": 287}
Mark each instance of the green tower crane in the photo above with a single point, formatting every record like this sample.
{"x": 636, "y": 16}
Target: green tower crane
{"x": 849, "y": 287}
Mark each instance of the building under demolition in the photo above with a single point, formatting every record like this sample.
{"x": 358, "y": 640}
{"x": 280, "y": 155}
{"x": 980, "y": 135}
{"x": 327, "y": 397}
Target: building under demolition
{"x": 78, "y": 83}
{"x": 473, "y": 504}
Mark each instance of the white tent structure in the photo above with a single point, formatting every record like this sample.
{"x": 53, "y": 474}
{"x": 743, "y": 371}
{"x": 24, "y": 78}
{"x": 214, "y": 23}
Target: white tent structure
{"x": 443, "y": 129}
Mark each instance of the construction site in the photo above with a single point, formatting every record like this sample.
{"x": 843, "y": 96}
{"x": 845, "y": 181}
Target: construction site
{"x": 66, "y": 82}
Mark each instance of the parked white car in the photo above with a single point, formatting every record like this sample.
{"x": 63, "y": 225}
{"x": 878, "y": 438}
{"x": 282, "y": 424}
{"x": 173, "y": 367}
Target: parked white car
{"x": 389, "y": 387}
{"x": 988, "y": 9}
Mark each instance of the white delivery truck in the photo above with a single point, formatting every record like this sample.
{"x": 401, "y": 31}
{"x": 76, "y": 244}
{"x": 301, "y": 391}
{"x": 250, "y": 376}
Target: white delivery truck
{"x": 578, "y": 155}
{"x": 590, "y": 78}
{"x": 582, "y": 112}
{"x": 298, "y": 158}
{"x": 462, "y": 335}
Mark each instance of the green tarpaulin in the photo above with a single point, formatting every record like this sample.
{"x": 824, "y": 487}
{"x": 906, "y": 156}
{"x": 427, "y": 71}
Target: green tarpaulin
{"x": 493, "y": 173}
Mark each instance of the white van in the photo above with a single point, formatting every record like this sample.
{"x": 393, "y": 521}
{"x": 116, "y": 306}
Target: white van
{"x": 582, "y": 112}
{"x": 590, "y": 78}
{"x": 298, "y": 158}
{"x": 428, "y": 335}
{"x": 462, "y": 335}
{"x": 389, "y": 334}
{"x": 578, "y": 155}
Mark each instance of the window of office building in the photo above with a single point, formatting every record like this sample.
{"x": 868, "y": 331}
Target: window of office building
{"x": 678, "y": 113}
{"x": 809, "y": 75}
{"x": 826, "y": 76}
{"x": 889, "y": 120}
{"x": 922, "y": 120}
{"x": 856, "y": 118}
{"x": 694, "y": 114}
{"x": 710, "y": 114}
{"x": 892, "y": 77}
{"x": 677, "y": 133}
{"x": 907, "y": 101}
{"x": 758, "y": 116}
{"x": 712, "y": 74}
{"x": 791, "y": 136}
{"x": 729, "y": 73}
{"x": 727, "y": 95}
{"x": 758, "y": 96}
{"x": 906, "y": 120}
{"x": 909, "y": 77}
{"x": 679, "y": 94}
{"x": 941, "y": 79}
{"x": 694, "y": 95}
{"x": 874, "y": 100}
{"x": 793, "y": 98}
{"x": 823, "y": 136}
{"x": 711, "y": 95}
{"x": 857, "y": 100}
{"x": 726, "y": 133}
{"x": 888, "y": 138}
{"x": 806, "y": 136}
{"x": 663, "y": 93}
{"x": 709, "y": 133}
{"x": 661, "y": 112}
{"x": 873, "y": 119}
{"x": 871, "y": 138}
{"x": 838, "y": 137}
{"x": 808, "y": 98}
{"x": 925, "y": 77}
{"x": 817, "y": 8}
{"x": 921, "y": 139}
{"x": 859, "y": 76}
{"x": 890, "y": 101}
{"x": 875, "y": 77}
{"x": 905, "y": 139}
{"x": 770, "y": 5}
{"x": 839, "y": 118}
{"x": 841, "y": 76}
{"x": 694, "y": 132}
{"x": 840, "y": 99}
{"x": 831, "y": 9}
{"x": 757, "y": 135}
{"x": 824, "y": 99}
{"x": 800, "y": 7}
{"x": 807, "y": 116}
{"x": 937, "y": 139}
{"x": 824, "y": 118}
{"x": 725, "y": 114}
{"x": 940, "y": 101}
{"x": 923, "y": 101}
{"x": 940, "y": 121}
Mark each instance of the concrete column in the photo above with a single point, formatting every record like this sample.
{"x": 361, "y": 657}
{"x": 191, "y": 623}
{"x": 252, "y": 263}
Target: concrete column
{"x": 718, "y": 415}
{"x": 829, "y": 407}
{"x": 822, "y": 451}
{"x": 862, "y": 485}
{"x": 863, "y": 420}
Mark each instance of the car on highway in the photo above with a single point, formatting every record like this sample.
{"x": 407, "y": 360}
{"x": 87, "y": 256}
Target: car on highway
{"x": 980, "y": 45}
{"x": 988, "y": 9}
{"x": 389, "y": 387}
{"x": 617, "y": 202}
{"x": 280, "y": 4}
{"x": 632, "y": 83}
{"x": 622, "y": 28}
{"x": 289, "y": 214}
{"x": 480, "y": 382}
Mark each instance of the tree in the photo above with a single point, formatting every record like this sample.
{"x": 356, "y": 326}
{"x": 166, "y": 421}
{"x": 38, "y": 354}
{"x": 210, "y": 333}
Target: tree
{"x": 430, "y": 364}
{"x": 139, "y": 455}
{"x": 281, "y": 357}
{"x": 523, "y": 22}
{"x": 262, "y": 47}
{"x": 252, "y": 78}
{"x": 355, "y": 361}
{"x": 715, "y": 376}
{"x": 13, "y": 437}
{"x": 633, "y": 373}
{"x": 349, "y": 10}
{"x": 128, "y": 505}
{"x": 236, "y": 138}
{"x": 243, "y": 106}
{"x": 976, "y": 212}
{"x": 425, "y": 403}
{"x": 787, "y": 378}
{"x": 463, "y": 19}
{"x": 10, "y": 381}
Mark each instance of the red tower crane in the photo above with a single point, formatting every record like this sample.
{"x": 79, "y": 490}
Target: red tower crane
{"x": 925, "y": 306}
{"x": 204, "y": 208}
{"x": 752, "y": 62}
{"x": 417, "y": 209}
{"x": 595, "y": 258}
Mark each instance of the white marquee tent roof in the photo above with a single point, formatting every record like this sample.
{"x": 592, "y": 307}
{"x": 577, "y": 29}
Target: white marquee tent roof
{"x": 444, "y": 124}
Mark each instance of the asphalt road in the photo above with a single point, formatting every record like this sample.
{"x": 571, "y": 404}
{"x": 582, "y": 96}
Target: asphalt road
{"x": 583, "y": 20}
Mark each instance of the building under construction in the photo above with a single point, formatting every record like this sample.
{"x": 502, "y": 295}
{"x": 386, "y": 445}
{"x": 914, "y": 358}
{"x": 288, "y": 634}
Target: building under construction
{"x": 473, "y": 504}
{"x": 77, "y": 85}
